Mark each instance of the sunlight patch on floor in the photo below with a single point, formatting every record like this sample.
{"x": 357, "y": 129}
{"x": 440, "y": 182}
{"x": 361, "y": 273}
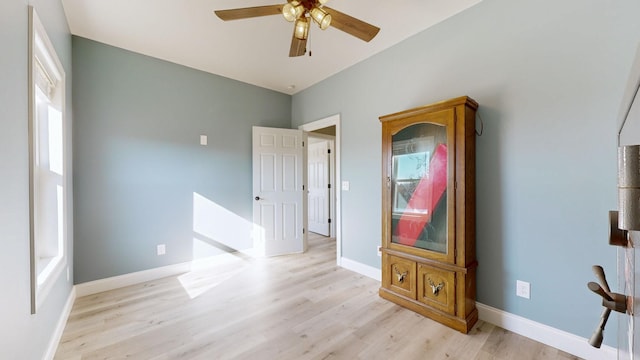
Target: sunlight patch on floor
{"x": 208, "y": 273}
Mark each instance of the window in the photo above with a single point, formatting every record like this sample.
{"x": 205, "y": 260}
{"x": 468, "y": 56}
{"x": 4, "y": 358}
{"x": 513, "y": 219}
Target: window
{"x": 48, "y": 163}
{"x": 410, "y": 165}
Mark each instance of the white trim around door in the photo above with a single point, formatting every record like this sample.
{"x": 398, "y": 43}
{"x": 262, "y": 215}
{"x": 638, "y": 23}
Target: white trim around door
{"x": 333, "y": 120}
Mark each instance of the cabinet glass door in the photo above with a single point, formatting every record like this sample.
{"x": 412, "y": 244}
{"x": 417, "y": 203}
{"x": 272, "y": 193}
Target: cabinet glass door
{"x": 419, "y": 184}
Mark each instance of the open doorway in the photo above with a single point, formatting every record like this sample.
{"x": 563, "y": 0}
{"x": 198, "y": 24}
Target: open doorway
{"x": 329, "y": 129}
{"x": 321, "y": 182}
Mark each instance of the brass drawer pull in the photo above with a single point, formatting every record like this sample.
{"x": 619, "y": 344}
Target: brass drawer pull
{"x": 400, "y": 275}
{"x": 435, "y": 288}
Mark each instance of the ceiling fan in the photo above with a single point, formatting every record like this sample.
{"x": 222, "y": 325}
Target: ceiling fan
{"x": 299, "y": 11}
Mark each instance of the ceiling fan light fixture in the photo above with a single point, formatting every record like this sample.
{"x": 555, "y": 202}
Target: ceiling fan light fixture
{"x": 292, "y": 10}
{"x": 322, "y": 2}
{"x": 320, "y": 17}
{"x": 302, "y": 28}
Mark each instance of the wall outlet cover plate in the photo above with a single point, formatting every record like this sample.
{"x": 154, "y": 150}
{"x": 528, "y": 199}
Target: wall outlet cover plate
{"x": 523, "y": 289}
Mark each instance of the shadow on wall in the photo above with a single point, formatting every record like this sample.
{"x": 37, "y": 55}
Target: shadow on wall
{"x": 490, "y": 217}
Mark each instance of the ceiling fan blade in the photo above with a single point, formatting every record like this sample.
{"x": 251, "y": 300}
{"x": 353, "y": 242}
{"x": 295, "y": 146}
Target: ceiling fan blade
{"x": 298, "y": 47}
{"x": 249, "y": 12}
{"x": 351, "y": 25}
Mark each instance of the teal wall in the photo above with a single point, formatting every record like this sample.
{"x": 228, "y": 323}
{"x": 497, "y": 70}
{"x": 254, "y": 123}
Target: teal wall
{"x": 141, "y": 177}
{"x": 22, "y": 335}
{"x": 549, "y": 77}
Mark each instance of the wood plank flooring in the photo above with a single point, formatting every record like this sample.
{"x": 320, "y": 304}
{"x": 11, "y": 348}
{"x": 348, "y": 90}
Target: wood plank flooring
{"x": 289, "y": 307}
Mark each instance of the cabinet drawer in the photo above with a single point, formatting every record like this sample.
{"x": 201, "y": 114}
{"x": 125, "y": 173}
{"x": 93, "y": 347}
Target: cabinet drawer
{"x": 399, "y": 275}
{"x": 437, "y": 288}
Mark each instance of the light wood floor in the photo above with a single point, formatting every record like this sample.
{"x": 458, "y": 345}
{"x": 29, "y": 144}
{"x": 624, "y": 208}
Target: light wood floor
{"x": 289, "y": 307}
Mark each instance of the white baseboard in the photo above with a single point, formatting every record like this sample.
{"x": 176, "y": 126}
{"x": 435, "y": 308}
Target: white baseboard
{"x": 547, "y": 335}
{"x": 116, "y": 282}
{"x": 361, "y": 268}
{"x": 62, "y": 322}
{"x": 567, "y": 342}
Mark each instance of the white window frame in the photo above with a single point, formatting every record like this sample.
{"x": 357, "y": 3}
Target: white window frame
{"x": 47, "y": 88}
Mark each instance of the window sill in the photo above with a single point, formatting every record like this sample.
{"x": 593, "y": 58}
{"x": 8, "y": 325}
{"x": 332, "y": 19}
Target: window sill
{"x": 49, "y": 269}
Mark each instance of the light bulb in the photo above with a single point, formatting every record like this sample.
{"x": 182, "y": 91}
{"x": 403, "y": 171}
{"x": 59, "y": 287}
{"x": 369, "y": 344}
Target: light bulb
{"x": 292, "y": 11}
{"x": 302, "y": 28}
{"x": 320, "y": 17}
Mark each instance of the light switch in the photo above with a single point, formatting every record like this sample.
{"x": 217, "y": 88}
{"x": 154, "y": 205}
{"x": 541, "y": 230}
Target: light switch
{"x": 203, "y": 139}
{"x": 345, "y": 186}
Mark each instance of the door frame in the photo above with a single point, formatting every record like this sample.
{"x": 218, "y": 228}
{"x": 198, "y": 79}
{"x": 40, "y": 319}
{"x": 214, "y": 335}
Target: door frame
{"x": 333, "y": 120}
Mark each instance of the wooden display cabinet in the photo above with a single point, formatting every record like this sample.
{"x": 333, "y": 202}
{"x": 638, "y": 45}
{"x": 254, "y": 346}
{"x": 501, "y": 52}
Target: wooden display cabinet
{"x": 428, "y": 211}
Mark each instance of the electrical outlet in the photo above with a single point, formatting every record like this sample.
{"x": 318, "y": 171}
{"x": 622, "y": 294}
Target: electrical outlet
{"x": 161, "y": 249}
{"x": 523, "y": 289}
{"x": 379, "y": 250}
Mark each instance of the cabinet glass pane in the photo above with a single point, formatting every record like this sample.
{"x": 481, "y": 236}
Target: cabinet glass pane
{"x": 419, "y": 187}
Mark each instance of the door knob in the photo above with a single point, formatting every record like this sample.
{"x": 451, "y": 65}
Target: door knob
{"x": 257, "y": 198}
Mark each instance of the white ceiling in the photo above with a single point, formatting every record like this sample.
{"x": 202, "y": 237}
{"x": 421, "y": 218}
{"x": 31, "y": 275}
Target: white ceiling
{"x": 256, "y": 50}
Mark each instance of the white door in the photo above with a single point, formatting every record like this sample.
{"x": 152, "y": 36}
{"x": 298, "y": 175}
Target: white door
{"x": 279, "y": 179}
{"x": 318, "y": 168}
